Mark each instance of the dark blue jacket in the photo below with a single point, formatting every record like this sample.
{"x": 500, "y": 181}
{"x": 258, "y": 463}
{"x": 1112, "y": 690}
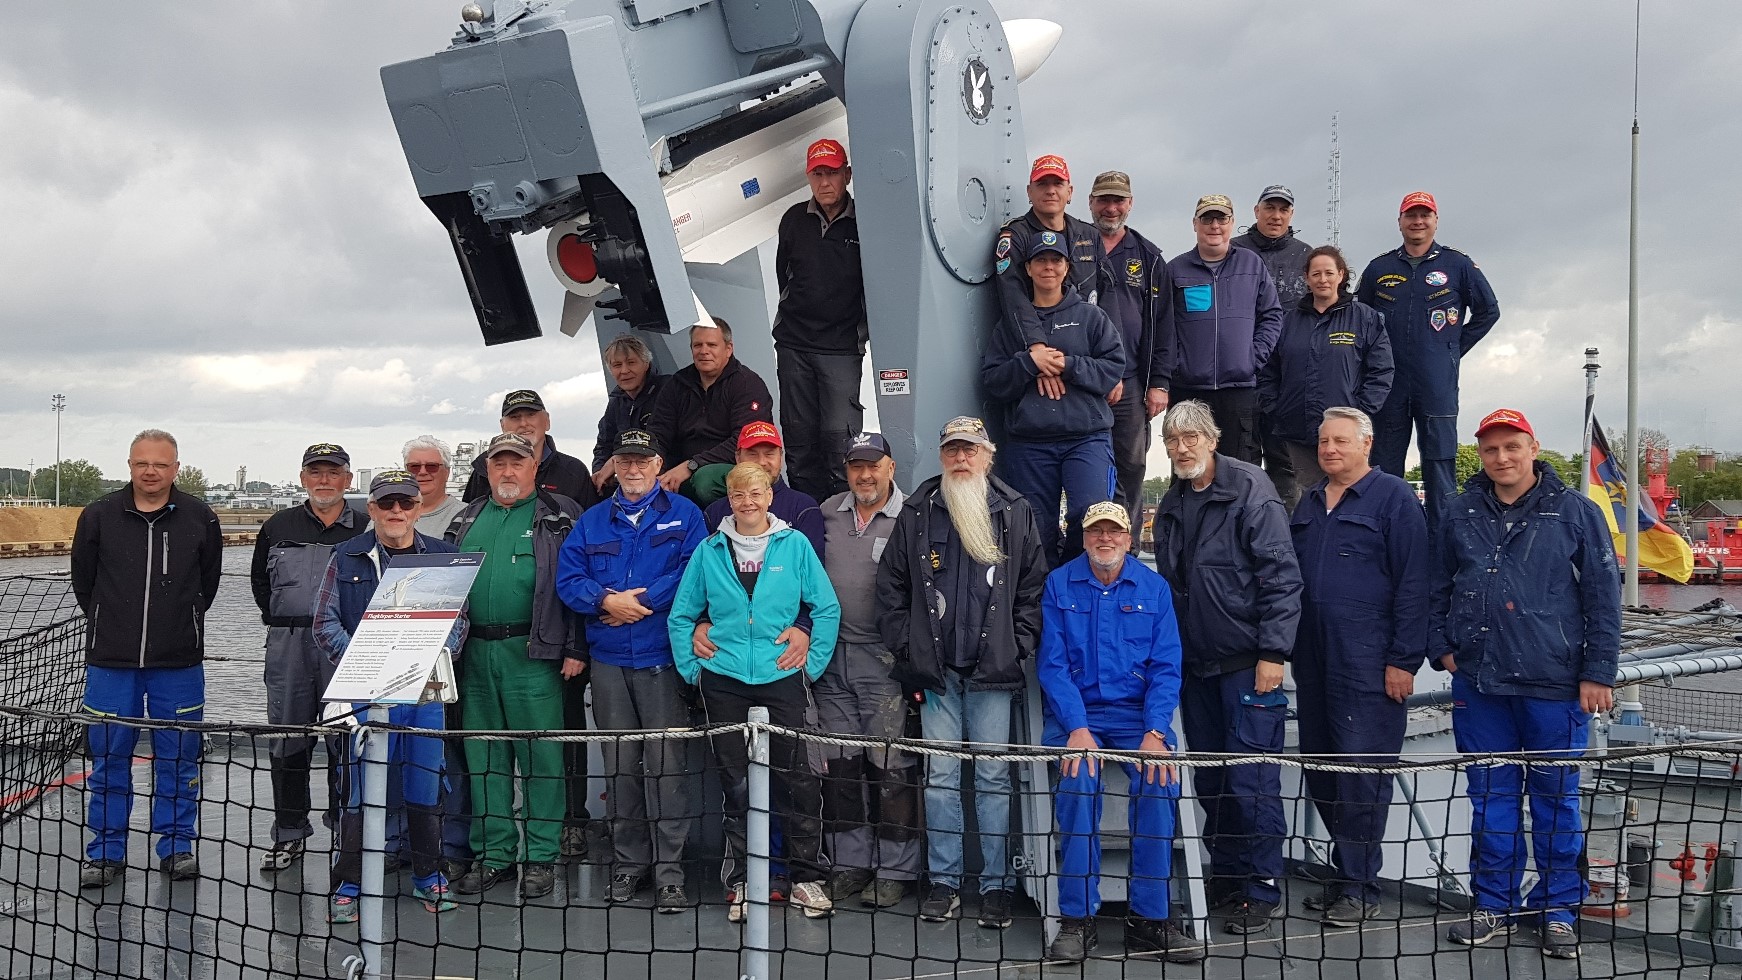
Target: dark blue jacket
{"x": 1285, "y": 257}
{"x": 1365, "y": 569}
{"x": 350, "y": 582}
{"x": 1110, "y": 652}
{"x": 623, "y": 412}
{"x": 1156, "y": 285}
{"x": 606, "y": 552}
{"x": 1094, "y": 365}
{"x": 1238, "y": 595}
{"x": 1434, "y": 312}
{"x": 1225, "y": 323}
{"x": 1015, "y": 291}
{"x": 1533, "y": 610}
{"x": 1340, "y": 357}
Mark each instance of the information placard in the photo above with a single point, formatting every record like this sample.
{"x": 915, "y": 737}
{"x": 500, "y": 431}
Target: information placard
{"x": 398, "y": 655}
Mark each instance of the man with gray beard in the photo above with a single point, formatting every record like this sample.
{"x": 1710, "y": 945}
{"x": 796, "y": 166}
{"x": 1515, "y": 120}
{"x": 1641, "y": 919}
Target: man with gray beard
{"x": 958, "y": 601}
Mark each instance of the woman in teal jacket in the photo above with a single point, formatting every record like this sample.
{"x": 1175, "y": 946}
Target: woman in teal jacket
{"x": 751, "y": 579}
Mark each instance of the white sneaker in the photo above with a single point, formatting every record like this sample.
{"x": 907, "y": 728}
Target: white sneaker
{"x": 735, "y": 904}
{"x": 813, "y": 898}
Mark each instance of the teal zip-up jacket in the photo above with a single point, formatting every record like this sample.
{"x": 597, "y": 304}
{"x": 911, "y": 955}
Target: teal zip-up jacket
{"x": 792, "y": 578}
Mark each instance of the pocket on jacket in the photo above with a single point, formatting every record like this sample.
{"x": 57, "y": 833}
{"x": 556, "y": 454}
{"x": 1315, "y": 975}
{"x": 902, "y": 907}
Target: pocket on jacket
{"x": 1259, "y": 726}
{"x": 1199, "y": 298}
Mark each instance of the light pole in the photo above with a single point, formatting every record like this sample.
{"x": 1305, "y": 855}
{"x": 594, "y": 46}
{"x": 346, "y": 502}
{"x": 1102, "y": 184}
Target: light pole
{"x": 58, "y": 404}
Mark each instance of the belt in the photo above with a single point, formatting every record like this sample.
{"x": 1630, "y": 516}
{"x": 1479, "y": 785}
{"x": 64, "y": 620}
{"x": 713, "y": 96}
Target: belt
{"x": 290, "y": 621}
{"x": 476, "y": 632}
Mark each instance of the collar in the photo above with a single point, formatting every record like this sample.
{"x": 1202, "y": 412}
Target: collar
{"x": 891, "y": 507}
{"x": 347, "y": 516}
{"x": 1433, "y": 249}
{"x": 1081, "y": 570}
{"x": 1359, "y": 488}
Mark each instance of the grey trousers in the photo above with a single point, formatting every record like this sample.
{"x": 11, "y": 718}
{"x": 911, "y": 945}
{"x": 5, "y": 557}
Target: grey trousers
{"x": 647, "y": 802}
{"x": 870, "y": 795}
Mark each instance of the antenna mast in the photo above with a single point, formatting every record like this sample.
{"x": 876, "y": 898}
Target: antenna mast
{"x": 1334, "y": 207}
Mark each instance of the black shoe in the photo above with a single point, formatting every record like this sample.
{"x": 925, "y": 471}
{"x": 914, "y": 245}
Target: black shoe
{"x": 671, "y": 900}
{"x": 623, "y": 887}
{"x": 1221, "y": 894}
{"x": 1480, "y": 927}
{"x": 454, "y": 868}
{"x": 394, "y": 862}
{"x": 1320, "y": 900}
{"x": 1076, "y": 940}
{"x": 1252, "y": 915}
{"x": 882, "y": 893}
{"x": 1349, "y": 911}
{"x": 1161, "y": 936}
{"x": 849, "y": 882}
{"x": 181, "y": 866}
{"x": 995, "y": 908}
{"x": 481, "y": 878}
{"x": 1560, "y": 941}
{"x": 941, "y": 904}
{"x": 536, "y": 880}
{"x": 100, "y": 874}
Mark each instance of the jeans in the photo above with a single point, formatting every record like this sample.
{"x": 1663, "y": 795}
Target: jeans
{"x": 165, "y": 694}
{"x": 955, "y": 716}
{"x": 417, "y": 761}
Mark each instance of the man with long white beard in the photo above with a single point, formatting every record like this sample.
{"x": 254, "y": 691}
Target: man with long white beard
{"x": 958, "y": 600}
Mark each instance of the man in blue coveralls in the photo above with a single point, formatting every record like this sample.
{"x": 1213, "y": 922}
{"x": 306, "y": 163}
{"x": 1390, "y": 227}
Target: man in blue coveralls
{"x": 1437, "y": 305}
{"x": 1109, "y": 667}
{"x": 1362, "y": 543}
{"x": 1526, "y": 614}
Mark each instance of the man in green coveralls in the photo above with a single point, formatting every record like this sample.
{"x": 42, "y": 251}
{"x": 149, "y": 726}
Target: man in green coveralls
{"x": 523, "y": 645}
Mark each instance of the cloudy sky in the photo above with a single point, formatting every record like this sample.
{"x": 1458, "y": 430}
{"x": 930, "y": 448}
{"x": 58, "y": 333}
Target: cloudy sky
{"x": 214, "y": 231}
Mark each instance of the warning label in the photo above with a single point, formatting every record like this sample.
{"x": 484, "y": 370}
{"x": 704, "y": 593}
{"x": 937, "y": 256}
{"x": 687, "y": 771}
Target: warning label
{"x": 893, "y": 383}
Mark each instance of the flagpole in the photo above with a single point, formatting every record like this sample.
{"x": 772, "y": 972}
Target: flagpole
{"x": 1591, "y": 366}
{"x": 1630, "y": 586}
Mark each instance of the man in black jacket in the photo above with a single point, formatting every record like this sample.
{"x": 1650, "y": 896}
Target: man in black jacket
{"x": 702, "y": 409}
{"x": 290, "y": 556}
{"x": 1049, "y": 193}
{"x": 1272, "y": 237}
{"x": 524, "y": 414}
{"x": 820, "y": 329}
{"x": 958, "y": 601}
{"x": 146, "y": 564}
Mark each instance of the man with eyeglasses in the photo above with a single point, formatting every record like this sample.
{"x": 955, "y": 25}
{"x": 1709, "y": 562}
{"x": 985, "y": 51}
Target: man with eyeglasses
{"x": 291, "y": 553}
{"x": 146, "y": 564}
{"x": 1226, "y": 321}
{"x": 430, "y": 461}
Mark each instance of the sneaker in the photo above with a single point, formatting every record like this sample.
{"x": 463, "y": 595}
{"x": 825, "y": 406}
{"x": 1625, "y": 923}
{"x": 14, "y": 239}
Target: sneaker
{"x": 1252, "y": 915}
{"x": 671, "y": 900}
{"x": 537, "y": 880}
{"x": 1349, "y": 911}
{"x": 1481, "y": 926}
{"x": 1076, "y": 940}
{"x": 813, "y": 897}
{"x": 100, "y": 874}
{"x": 736, "y": 902}
{"x": 778, "y": 889}
{"x": 480, "y": 877}
{"x": 1161, "y": 936}
{"x": 574, "y": 842}
{"x": 847, "y": 882}
{"x": 435, "y": 898}
{"x": 883, "y": 893}
{"x": 941, "y": 904}
{"x": 1560, "y": 941}
{"x": 1320, "y": 900}
{"x": 282, "y": 854}
{"x": 342, "y": 909}
{"x": 181, "y": 866}
{"x": 1221, "y": 894}
{"x": 623, "y": 887}
{"x": 995, "y": 908}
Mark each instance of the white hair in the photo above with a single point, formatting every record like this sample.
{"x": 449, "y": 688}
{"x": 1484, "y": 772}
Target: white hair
{"x": 1363, "y": 424}
{"x": 427, "y": 442}
{"x": 1191, "y": 416}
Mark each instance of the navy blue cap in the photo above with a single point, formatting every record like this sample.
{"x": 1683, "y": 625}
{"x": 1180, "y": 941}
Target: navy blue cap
{"x": 326, "y": 452}
{"x": 868, "y": 447}
{"x": 392, "y": 483}
{"x": 1048, "y": 241}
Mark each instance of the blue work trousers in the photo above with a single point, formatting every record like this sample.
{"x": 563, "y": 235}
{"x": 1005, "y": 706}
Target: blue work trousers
{"x": 1243, "y": 821}
{"x": 1505, "y": 723}
{"x": 956, "y": 716}
{"x": 172, "y": 694}
{"x": 1077, "y": 806}
{"x": 1360, "y": 727}
{"x": 1437, "y": 432}
{"x": 1081, "y": 469}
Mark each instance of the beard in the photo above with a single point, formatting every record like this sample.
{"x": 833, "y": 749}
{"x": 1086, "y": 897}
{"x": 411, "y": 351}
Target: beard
{"x": 506, "y": 493}
{"x": 971, "y": 515}
{"x": 1193, "y": 471}
{"x": 1108, "y": 226}
{"x": 867, "y": 498}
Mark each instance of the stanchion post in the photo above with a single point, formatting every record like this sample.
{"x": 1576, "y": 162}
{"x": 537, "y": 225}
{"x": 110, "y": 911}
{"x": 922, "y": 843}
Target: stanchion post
{"x": 372, "y": 906}
{"x": 755, "y": 949}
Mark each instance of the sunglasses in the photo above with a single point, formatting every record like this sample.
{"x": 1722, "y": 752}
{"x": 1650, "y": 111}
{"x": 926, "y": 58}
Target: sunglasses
{"x": 397, "y": 502}
{"x": 424, "y": 467}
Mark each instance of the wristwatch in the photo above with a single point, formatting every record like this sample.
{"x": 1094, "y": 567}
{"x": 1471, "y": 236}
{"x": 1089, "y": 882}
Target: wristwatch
{"x": 691, "y": 464}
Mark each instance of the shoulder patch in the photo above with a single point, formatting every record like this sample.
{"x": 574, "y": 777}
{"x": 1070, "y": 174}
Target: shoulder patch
{"x": 1003, "y": 248}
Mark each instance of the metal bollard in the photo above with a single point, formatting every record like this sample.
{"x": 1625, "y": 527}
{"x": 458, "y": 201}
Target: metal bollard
{"x": 756, "y": 835}
{"x": 372, "y": 906}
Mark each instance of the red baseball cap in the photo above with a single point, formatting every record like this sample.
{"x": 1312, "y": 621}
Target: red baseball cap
{"x": 1418, "y": 199}
{"x": 1505, "y": 418}
{"x": 825, "y": 153}
{"x": 1051, "y": 165}
{"x": 759, "y": 433}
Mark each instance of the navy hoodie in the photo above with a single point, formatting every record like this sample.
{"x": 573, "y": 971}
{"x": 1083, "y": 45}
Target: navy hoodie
{"x": 1094, "y": 364}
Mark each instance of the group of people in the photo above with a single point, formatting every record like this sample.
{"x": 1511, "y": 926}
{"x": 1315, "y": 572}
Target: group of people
{"x": 684, "y": 579}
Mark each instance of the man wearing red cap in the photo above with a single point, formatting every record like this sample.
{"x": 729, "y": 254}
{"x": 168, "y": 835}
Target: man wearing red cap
{"x": 1526, "y": 614}
{"x": 760, "y": 443}
{"x": 1437, "y": 305}
{"x": 1049, "y": 193}
{"x": 820, "y": 328}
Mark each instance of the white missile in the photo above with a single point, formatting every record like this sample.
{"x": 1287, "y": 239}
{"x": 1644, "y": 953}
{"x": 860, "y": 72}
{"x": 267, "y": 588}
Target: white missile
{"x": 729, "y": 199}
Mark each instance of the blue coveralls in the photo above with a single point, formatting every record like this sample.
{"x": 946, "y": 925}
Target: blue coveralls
{"x": 1109, "y": 661}
{"x": 1363, "y": 608}
{"x": 1436, "y": 308}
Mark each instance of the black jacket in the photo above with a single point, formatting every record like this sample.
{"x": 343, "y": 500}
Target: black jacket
{"x": 1322, "y": 360}
{"x": 1286, "y": 258}
{"x": 298, "y": 525}
{"x": 145, "y": 581}
{"x": 698, "y": 424}
{"x": 623, "y": 412}
{"x": 1010, "y": 257}
{"x": 907, "y": 614}
{"x": 822, "y": 286}
{"x": 1236, "y": 583}
{"x": 558, "y": 472}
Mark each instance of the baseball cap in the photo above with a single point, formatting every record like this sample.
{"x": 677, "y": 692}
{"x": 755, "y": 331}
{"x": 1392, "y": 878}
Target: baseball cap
{"x": 1051, "y": 165}
{"x": 868, "y": 447}
{"x": 524, "y": 398}
{"x": 825, "y": 153}
{"x": 326, "y": 452}
{"x": 390, "y": 483}
{"x": 1214, "y": 202}
{"x": 635, "y": 442}
{"x": 964, "y": 428}
{"x": 759, "y": 433}
{"x": 1276, "y": 190}
{"x": 1113, "y": 183}
{"x": 1107, "y": 510}
{"x": 508, "y": 442}
{"x": 1418, "y": 199}
{"x": 1505, "y": 418}
{"x": 1047, "y": 241}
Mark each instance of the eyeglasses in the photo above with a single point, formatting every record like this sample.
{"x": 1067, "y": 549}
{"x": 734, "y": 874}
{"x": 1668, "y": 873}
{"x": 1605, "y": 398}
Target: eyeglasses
{"x": 966, "y": 450}
{"x": 745, "y": 496}
{"x": 397, "y": 502}
{"x": 1101, "y": 530}
{"x": 1215, "y": 218}
{"x": 424, "y": 467}
{"x": 151, "y": 467}
{"x": 1183, "y": 439}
